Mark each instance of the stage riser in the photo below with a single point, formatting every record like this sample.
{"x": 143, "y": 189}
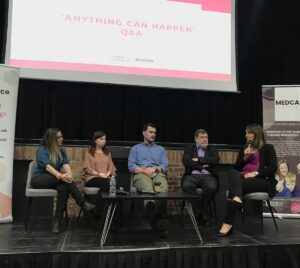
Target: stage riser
{"x": 224, "y": 257}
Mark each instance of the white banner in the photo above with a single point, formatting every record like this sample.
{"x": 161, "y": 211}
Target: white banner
{"x": 9, "y": 82}
{"x": 281, "y": 113}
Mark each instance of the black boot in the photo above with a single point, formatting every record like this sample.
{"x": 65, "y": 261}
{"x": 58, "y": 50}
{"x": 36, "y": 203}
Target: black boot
{"x": 87, "y": 206}
{"x": 56, "y": 225}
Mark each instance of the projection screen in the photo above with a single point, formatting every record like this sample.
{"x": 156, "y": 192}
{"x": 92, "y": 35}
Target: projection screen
{"x": 187, "y": 44}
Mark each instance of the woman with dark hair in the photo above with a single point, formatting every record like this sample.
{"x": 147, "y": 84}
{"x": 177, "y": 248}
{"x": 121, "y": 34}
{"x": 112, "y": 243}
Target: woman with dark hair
{"x": 98, "y": 166}
{"x": 254, "y": 172}
{"x": 53, "y": 171}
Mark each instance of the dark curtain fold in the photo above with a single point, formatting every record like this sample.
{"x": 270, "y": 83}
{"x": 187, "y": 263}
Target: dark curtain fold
{"x": 268, "y": 41}
{"x": 80, "y": 108}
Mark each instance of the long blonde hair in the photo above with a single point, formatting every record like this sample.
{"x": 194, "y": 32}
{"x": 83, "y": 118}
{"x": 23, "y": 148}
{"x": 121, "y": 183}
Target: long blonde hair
{"x": 50, "y": 142}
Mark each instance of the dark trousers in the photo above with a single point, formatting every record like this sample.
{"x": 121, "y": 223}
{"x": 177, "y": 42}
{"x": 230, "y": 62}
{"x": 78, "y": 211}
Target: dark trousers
{"x": 101, "y": 183}
{"x": 238, "y": 186}
{"x": 48, "y": 181}
{"x": 207, "y": 182}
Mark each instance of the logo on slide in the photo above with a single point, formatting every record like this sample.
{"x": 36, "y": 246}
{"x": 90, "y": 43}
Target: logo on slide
{"x": 2, "y": 114}
{"x": 4, "y": 91}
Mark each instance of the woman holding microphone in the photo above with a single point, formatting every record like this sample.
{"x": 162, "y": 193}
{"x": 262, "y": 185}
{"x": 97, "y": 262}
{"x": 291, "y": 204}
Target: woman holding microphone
{"x": 254, "y": 172}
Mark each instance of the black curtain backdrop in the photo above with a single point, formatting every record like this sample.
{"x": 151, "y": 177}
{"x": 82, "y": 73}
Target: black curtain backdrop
{"x": 268, "y": 43}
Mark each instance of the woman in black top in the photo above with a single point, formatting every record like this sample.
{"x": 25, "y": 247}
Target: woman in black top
{"x": 254, "y": 172}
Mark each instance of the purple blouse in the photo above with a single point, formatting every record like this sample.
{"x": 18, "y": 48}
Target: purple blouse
{"x": 251, "y": 163}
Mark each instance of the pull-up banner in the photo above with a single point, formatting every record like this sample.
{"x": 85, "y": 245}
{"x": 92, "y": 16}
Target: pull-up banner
{"x": 281, "y": 114}
{"x": 9, "y": 82}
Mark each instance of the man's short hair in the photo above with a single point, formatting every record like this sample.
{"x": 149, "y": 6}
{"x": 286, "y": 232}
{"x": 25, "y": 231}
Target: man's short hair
{"x": 148, "y": 125}
{"x": 200, "y": 131}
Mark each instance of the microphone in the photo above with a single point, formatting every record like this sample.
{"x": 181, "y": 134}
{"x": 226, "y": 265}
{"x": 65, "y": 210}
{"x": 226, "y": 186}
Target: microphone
{"x": 146, "y": 192}
{"x": 248, "y": 145}
{"x": 122, "y": 192}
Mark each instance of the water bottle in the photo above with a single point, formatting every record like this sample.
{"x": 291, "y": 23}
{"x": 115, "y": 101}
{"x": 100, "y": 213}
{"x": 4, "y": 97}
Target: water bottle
{"x": 112, "y": 186}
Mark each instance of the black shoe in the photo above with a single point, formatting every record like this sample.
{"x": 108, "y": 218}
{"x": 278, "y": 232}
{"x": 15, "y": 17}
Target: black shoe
{"x": 237, "y": 204}
{"x": 230, "y": 232}
{"x": 56, "y": 225}
{"x": 87, "y": 206}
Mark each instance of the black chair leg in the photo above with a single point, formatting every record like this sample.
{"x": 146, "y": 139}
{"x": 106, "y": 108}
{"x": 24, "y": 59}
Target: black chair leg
{"x": 243, "y": 211}
{"x": 261, "y": 216}
{"x": 271, "y": 211}
{"x": 27, "y": 212}
{"x": 79, "y": 215}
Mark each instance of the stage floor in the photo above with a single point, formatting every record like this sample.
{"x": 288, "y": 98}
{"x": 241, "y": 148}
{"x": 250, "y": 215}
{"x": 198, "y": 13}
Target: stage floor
{"x": 138, "y": 246}
{"x": 139, "y": 236}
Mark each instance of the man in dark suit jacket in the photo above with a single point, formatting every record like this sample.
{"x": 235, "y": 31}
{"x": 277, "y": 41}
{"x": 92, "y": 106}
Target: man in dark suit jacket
{"x": 200, "y": 160}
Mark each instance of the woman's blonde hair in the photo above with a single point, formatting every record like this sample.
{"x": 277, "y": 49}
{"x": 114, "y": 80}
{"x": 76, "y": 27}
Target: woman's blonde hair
{"x": 50, "y": 142}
